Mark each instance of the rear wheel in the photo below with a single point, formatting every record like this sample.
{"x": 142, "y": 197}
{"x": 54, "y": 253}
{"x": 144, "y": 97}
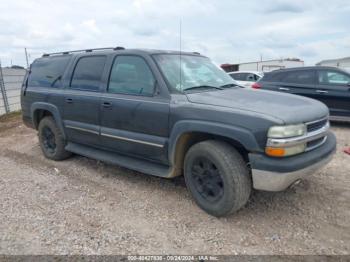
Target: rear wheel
{"x": 217, "y": 177}
{"x": 51, "y": 140}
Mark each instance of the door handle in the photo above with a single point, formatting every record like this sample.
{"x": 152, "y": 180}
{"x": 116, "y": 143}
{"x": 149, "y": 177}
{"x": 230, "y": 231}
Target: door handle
{"x": 284, "y": 88}
{"x": 69, "y": 100}
{"x": 322, "y": 91}
{"x": 107, "y": 104}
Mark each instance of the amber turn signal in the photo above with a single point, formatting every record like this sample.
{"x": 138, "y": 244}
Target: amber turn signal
{"x": 274, "y": 151}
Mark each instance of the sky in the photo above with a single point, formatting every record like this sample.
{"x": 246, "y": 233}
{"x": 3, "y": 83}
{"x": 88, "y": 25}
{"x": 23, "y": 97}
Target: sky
{"x": 227, "y": 31}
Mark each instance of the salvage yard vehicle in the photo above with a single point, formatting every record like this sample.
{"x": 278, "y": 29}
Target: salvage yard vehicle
{"x": 246, "y": 78}
{"x": 167, "y": 113}
{"x": 329, "y": 85}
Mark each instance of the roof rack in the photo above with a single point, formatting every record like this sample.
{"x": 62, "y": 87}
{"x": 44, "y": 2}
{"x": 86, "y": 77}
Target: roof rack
{"x": 84, "y": 50}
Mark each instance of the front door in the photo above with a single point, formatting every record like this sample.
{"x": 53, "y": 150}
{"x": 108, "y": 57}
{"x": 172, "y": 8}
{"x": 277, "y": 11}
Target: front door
{"x": 134, "y": 117}
{"x": 334, "y": 90}
{"x": 82, "y": 100}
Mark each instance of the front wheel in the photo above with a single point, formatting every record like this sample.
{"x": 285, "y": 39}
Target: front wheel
{"x": 217, "y": 177}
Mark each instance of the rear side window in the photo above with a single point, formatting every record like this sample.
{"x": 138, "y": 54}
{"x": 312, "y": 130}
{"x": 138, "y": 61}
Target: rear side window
{"x": 47, "y": 72}
{"x": 238, "y": 76}
{"x": 131, "y": 75}
{"x": 300, "y": 77}
{"x": 88, "y": 73}
{"x": 245, "y": 77}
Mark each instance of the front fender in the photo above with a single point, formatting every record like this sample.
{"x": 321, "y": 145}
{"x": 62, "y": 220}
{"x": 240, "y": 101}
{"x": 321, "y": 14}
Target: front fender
{"x": 48, "y": 107}
{"x": 239, "y": 134}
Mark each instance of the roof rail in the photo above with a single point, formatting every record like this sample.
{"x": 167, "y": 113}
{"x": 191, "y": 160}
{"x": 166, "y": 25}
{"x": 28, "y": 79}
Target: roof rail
{"x": 84, "y": 50}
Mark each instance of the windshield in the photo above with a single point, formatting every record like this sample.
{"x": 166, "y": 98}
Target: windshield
{"x": 189, "y": 72}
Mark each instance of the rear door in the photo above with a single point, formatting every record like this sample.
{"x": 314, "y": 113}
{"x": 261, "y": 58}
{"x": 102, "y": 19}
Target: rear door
{"x": 334, "y": 90}
{"x": 82, "y": 100}
{"x": 134, "y": 115}
{"x": 272, "y": 81}
{"x": 299, "y": 82}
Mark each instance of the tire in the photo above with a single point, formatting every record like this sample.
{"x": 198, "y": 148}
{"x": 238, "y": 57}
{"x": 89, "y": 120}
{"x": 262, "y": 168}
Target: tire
{"x": 217, "y": 177}
{"x": 51, "y": 140}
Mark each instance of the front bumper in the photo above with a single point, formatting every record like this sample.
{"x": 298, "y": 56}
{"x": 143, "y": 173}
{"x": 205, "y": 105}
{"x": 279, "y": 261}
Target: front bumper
{"x": 276, "y": 174}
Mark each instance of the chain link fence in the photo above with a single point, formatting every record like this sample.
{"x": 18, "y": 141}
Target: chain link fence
{"x": 10, "y": 86}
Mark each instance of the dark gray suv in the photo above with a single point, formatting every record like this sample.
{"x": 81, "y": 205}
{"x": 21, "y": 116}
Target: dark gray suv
{"x": 329, "y": 85}
{"x": 167, "y": 113}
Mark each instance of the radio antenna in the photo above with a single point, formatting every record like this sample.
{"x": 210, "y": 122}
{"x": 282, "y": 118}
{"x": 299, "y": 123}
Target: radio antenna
{"x": 180, "y": 27}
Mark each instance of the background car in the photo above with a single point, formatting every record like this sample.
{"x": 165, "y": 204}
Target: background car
{"x": 329, "y": 85}
{"x": 246, "y": 78}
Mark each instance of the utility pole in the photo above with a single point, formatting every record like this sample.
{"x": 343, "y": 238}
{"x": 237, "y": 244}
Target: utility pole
{"x": 257, "y": 64}
{"x": 25, "y": 51}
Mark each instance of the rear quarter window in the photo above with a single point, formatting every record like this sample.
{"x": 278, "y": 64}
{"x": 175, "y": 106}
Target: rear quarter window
{"x": 46, "y": 72}
{"x": 277, "y": 77}
{"x": 273, "y": 76}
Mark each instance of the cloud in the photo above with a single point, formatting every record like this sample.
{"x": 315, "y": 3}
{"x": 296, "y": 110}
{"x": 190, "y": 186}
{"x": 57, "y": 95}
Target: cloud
{"x": 90, "y": 25}
{"x": 226, "y": 31}
{"x": 146, "y": 31}
{"x": 285, "y": 7}
{"x": 308, "y": 51}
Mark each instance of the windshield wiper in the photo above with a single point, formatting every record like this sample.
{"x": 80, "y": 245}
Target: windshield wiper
{"x": 203, "y": 87}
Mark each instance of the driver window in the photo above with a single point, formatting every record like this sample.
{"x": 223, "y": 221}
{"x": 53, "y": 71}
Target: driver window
{"x": 332, "y": 77}
{"x": 131, "y": 75}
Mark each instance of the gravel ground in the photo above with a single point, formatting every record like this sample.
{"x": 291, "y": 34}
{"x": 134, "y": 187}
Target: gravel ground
{"x": 82, "y": 206}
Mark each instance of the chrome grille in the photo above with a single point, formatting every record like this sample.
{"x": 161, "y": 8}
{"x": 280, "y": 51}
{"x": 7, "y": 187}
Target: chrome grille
{"x": 315, "y": 127}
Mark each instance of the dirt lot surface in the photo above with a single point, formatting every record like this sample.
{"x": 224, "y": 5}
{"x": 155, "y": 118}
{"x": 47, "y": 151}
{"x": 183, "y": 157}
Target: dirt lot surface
{"x": 82, "y": 206}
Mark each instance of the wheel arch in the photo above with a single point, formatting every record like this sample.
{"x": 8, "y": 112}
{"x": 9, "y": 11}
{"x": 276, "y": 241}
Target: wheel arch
{"x": 187, "y": 133}
{"x": 41, "y": 109}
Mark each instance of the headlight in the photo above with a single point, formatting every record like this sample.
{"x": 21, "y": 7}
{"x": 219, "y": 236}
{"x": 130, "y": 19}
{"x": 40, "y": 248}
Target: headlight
{"x": 286, "y": 131}
{"x": 281, "y": 134}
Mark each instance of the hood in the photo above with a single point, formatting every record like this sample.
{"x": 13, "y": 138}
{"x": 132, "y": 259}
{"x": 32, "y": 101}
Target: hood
{"x": 291, "y": 109}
